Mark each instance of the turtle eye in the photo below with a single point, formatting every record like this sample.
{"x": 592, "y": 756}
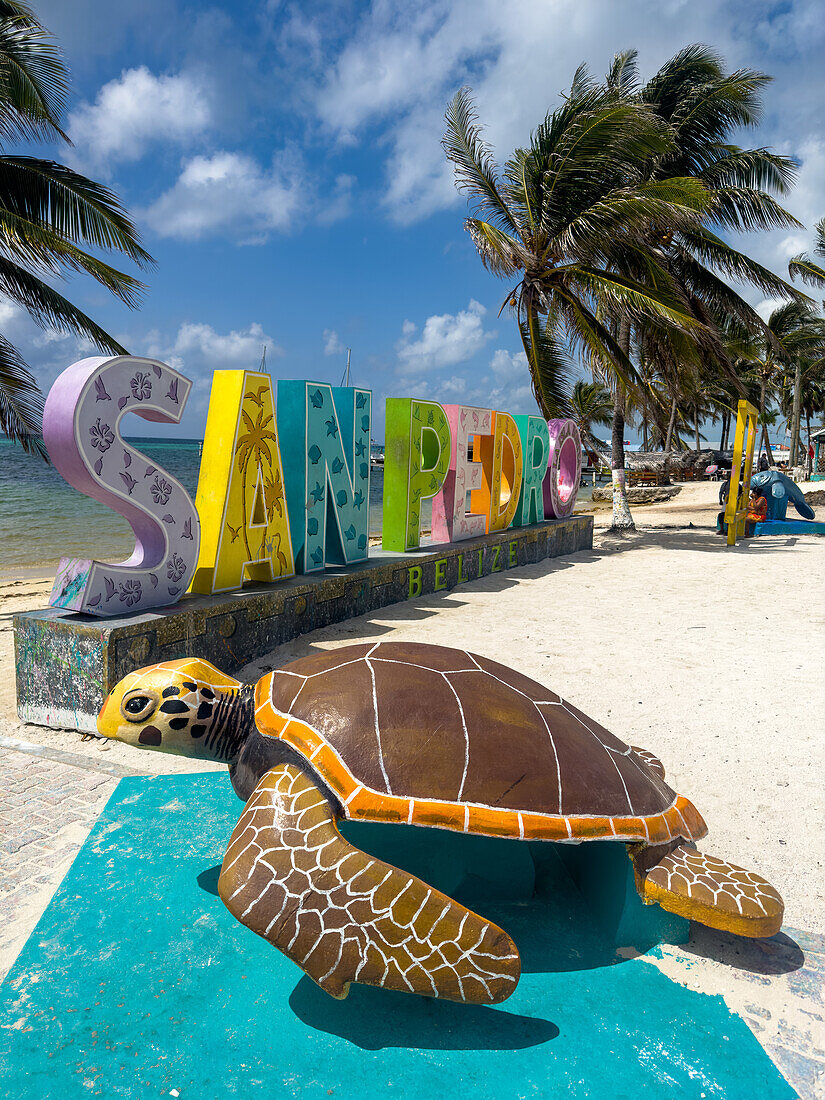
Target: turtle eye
{"x": 138, "y": 706}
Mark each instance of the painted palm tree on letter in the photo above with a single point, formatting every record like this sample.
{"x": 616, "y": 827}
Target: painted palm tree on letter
{"x": 253, "y": 452}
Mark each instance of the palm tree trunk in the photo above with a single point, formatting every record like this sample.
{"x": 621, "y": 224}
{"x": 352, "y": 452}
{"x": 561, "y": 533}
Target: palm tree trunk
{"x": 669, "y": 439}
{"x": 696, "y": 426}
{"x": 797, "y": 411}
{"x": 808, "y": 455}
{"x": 762, "y": 389}
{"x": 622, "y": 519}
{"x": 724, "y": 431}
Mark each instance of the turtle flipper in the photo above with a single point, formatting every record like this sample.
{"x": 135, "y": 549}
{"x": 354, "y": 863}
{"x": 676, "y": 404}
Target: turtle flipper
{"x": 344, "y": 917}
{"x": 703, "y": 888}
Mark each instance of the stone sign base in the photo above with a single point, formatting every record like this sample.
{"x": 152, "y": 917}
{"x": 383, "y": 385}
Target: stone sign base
{"x": 67, "y": 663}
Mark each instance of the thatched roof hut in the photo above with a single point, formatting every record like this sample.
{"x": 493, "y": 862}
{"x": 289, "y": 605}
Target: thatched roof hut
{"x": 692, "y": 462}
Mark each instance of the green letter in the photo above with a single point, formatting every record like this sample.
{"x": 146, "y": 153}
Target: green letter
{"x": 535, "y": 451}
{"x": 416, "y": 462}
{"x": 440, "y": 569}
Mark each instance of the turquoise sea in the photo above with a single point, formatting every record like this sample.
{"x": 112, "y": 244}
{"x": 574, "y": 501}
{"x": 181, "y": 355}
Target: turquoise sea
{"x": 42, "y": 518}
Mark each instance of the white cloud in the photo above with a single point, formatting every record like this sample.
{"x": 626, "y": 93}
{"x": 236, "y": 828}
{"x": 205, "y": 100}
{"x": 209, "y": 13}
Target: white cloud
{"x": 391, "y": 80}
{"x": 454, "y": 387}
{"x": 445, "y": 340}
{"x": 332, "y": 344}
{"x": 766, "y": 307}
{"x": 337, "y": 203}
{"x": 513, "y": 399}
{"x": 198, "y": 346}
{"x": 10, "y": 314}
{"x": 229, "y": 192}
{"x": 506, "y": 364}
{"x": 137, "y": 110}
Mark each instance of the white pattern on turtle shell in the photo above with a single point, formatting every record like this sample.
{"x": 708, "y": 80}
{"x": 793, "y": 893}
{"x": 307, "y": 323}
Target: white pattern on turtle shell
{"x": 611, "y": 752}
{"x": 469, "y": 806}
{"x": 377, "y": 727}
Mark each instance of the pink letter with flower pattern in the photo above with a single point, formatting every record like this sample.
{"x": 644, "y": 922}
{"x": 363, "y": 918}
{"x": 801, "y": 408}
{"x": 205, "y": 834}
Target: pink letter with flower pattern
{"x": 81, "y": 431}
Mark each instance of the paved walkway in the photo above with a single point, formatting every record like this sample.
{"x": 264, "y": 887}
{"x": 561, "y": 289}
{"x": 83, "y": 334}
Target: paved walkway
{"x": 50, "y": 799}
{"x": 48, "y": 803}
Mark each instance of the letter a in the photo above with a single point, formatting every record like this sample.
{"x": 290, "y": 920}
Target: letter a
{"x": 241, "y": 501}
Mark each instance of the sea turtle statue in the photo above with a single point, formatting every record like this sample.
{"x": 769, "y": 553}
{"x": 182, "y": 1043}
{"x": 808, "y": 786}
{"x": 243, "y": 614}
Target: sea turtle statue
{"x": 778, "y": 490}
{"x": 420, "y": 735}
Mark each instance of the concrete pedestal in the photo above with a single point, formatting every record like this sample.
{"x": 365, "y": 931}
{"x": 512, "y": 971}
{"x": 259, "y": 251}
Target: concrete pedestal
{"x": 67, "y": 663}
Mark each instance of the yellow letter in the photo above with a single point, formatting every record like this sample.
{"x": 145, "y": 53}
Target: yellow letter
{"x": 241, "y": 500}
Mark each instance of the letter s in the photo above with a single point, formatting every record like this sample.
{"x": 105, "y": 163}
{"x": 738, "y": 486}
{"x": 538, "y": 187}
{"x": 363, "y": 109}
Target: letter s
{"x": 81, "y": 431}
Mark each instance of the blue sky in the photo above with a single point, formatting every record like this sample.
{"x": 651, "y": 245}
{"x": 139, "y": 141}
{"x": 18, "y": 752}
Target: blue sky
{"x": 283, "y": 162}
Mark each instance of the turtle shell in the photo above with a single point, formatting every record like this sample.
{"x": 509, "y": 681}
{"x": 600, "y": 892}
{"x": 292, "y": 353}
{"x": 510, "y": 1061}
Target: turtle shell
{"x": 423, "y": 734}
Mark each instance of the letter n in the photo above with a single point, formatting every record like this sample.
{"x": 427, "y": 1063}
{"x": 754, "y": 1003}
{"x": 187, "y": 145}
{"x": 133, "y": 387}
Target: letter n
{"x": 325, "y": 437}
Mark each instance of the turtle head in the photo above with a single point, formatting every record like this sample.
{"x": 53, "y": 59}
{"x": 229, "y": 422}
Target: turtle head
{"x": 186, "y": 707}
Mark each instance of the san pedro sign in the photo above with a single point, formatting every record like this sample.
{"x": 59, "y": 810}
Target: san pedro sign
{"x": 284, "y": 488}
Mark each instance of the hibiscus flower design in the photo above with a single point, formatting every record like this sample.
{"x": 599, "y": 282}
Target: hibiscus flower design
{"x": 130, "y": 592}
{"x": 141, "y": 386}
{"x": 175, "y": 567}
{"x": 161, "y": 490}
{"x": 101, "y": 435}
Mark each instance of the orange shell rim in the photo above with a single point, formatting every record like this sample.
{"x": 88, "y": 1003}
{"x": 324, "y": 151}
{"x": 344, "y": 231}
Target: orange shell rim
{"x": 361, "y": 803}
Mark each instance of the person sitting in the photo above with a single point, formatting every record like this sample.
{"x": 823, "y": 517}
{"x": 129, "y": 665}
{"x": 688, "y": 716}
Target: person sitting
{"x": 757, "y": 512}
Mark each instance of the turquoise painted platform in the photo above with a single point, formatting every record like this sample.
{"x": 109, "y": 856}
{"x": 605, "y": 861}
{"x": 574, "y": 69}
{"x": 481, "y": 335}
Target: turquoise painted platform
{"x": 137, "y": 982}
{"x": 790, "y": 527}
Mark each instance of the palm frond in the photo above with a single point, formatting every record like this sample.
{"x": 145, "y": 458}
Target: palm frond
{"x": 746, "y": 209}
{"x": 49, "y": 309}
{"x": 713, "y": 251}
{"x": 499, "y": 252}
{"x": 550, "y": 367}
{"x": 21, "y": 403}
{"x": 637, "y": 299}
{"x": 33, "y": 80}
{"x": 640, "y": 210}
{"x": 39, "y": 247}
{"x": 586, "y": 333}
{"x": 473, "y": 161}
{"x": 761, "y": 169}
{"x": 622, "y": 77}
{"x": 75, "y": 207}
{"x": 803, "y": 267}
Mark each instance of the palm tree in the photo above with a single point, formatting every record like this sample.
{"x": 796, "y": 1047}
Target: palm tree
{"x": 48, "y": 213}
{"x": 806, "y": 268}
{"x": 812, "y": 273}
{"x": 702, "y": 104}
{"x": 591, "y": 405}
{"x": 561, "y": 218}
{"x": 805, "y": 361}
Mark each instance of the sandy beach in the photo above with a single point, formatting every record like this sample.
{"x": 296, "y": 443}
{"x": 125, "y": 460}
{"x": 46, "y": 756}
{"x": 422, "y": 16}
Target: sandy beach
{"x": 710, "y": 657}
